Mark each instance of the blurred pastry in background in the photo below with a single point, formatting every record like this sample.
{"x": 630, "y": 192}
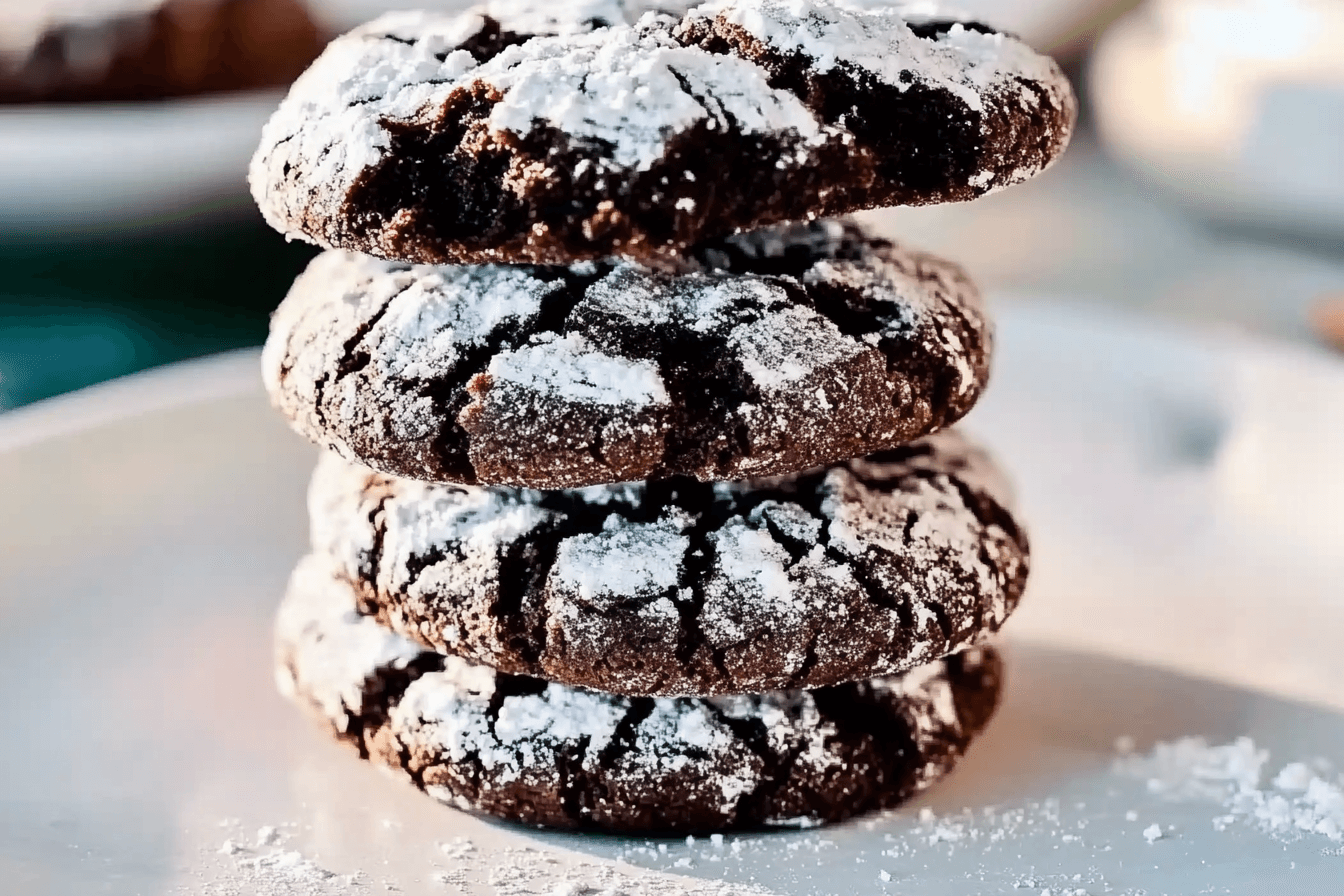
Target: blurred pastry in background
{"x": 1327, "y": 316}
{"x": 102, "y": 50}
{"x": 1237, "y": 106}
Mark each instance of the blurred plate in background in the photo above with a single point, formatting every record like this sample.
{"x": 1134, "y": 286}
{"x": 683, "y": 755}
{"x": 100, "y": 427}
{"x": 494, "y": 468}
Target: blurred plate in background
{"x": 102, "y": 166}
{"x": 1234, "y": 106}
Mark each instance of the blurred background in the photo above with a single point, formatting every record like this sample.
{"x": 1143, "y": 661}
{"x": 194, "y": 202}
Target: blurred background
{"x": 1205, "y": 183}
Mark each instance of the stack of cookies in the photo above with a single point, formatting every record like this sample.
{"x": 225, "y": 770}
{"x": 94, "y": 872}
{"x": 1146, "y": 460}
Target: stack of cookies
{"x": 640, "y": 511}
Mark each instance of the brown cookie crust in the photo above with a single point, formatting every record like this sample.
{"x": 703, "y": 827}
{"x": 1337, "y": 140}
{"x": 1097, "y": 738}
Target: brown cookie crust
{"x": 791, "y": 347}
{"x": 869, "y": 567}
{"x": 544, "y": 754}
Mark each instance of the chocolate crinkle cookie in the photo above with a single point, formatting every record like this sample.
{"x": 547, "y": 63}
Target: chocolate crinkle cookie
{"x": 791, "y": 347}
{"x": 543, "y": 753}
{"x": 505, "y": 134}
{"x": 868, "y": 567}
{"x": 104, "y": 50}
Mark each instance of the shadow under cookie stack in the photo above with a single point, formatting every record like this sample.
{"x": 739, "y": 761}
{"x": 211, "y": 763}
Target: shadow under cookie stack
{"x": 640, "y": 512}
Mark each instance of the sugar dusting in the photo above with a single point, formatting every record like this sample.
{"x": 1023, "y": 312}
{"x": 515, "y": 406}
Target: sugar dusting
{"x": 630, "y": 88}
{"x": 1301, "y": 799}
{"x": 1052, "y": 846}
{"x": 265, "y": 864}
{"x": 455, "y": 865}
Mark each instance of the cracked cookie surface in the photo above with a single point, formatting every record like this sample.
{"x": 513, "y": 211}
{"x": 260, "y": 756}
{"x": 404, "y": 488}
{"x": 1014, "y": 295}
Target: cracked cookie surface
{"x": 790, "y": 347}
{"x": 543, "y": 753}
{"x": 868, "y": 567}
{"x": 505, "y": 135}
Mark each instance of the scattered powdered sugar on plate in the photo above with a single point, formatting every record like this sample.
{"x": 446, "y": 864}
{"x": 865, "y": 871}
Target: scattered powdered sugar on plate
{"x": 515, "y": 873}
{"x": 1096, "y": 834}
{"x": 1117, "y": 833}
{"x": 457, "y": 865}
{"x": 1301, "y": 799}
{"x": 263, "y": 865}
{"x": 984, "y": 843}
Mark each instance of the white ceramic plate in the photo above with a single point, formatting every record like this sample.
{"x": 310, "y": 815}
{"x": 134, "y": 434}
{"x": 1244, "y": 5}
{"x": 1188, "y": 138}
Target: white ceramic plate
{"x": 1182, "y": 493}
{"x": 91, "y": 166}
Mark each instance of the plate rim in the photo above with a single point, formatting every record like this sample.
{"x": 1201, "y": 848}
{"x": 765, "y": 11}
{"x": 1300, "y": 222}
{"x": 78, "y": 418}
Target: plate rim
{"x": 47, "y": 146}
{"x": 167, "y": 106}
{"x": 155, "y": 389}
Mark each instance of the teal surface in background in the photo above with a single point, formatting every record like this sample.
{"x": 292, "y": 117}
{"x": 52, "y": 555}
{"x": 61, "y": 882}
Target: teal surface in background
{"x": 78, "y": 310}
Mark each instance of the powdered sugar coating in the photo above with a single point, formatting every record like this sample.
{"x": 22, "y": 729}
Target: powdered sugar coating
{"x": 544, "y": 753}
{"x": 790, "y": 347}
{"x": 679, "y": 587}
{"x": 516, "y": 132}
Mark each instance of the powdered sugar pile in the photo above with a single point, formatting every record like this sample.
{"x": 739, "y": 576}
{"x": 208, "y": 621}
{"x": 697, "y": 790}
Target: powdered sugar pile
{"x": 532, "y": 872}
{"x": 640, "y": 558}
{"x": 263, "y": 865}
{"x": 1301, "y": 799}
{"x": 459, "y": 866}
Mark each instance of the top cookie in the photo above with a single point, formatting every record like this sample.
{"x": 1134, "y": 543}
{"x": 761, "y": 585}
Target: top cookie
{"x": 505, "y": 134}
